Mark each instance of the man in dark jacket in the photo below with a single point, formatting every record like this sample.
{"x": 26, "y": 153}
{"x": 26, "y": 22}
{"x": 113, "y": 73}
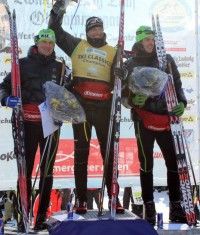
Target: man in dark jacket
{"x": 92, "y": 68}
{"x": 38, "y": 67}
{"x": 144, "y": 54}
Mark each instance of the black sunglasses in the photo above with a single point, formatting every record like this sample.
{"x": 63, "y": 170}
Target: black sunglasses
{"x": 94, "y": 21}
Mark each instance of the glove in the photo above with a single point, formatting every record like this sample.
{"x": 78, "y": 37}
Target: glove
{"x": 121, "y": 73}
{"x": 57, "y": 123}
{"x": 139, "y": 99}
{"x": 12, "y": 101}
{"x": 60, "y": 6}
{"x": 178, "y": 110}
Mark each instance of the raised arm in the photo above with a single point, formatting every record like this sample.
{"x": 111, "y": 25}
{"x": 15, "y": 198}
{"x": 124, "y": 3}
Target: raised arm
{"x": 64, "y": 40}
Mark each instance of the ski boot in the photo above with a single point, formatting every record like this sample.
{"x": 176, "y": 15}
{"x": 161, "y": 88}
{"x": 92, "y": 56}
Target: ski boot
{"x": 150, "y": 212}
{"x": 80, "y": 207}
{"x": 21, "y": 227}
{"x": 176, "y": 213}
{"x": 40, "y": 222}
{"x": 119, "y": 207}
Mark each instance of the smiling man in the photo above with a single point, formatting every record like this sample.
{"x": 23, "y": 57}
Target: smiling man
{"x": 45, "y": 42}
{"x": 38, "y": 67}
{"x": 93, "y": 62}
{"x": 151, "y": 122}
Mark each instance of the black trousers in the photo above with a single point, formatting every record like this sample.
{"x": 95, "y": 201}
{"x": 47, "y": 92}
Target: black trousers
{"x": 145, "y": 142}
{"x": 127, "y": 197}
{"x": 33, "y": 138}
{"x": 99, "y": 118}
{"x": 93, "y": 195}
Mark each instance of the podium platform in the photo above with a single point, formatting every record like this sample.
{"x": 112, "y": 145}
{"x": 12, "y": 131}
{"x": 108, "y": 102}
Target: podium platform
{"x": 92, "y": 224}
{"x": 139, "y": 227}
{"x": 124, "y": 224}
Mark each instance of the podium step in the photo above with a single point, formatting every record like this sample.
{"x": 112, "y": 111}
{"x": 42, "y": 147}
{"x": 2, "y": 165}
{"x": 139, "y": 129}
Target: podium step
{"x": 93, "y": 214}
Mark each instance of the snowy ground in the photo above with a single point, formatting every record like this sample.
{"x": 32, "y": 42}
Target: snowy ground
{"x": 162, "y": 204}
{"x": 161, "y": 201}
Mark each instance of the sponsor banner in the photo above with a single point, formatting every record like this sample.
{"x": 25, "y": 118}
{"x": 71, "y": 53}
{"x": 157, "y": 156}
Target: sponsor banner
{"x": 64, "y": 164}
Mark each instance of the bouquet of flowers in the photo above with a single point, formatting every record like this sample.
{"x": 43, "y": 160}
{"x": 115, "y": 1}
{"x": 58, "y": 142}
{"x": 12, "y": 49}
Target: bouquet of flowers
{"x": 148, "y": 81}
{"x": 63, "y": 105}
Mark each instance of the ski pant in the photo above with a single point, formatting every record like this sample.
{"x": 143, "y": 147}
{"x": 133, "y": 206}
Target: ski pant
{"x": 145, "y": 142}
{"x": 127, "y": 197}
{"x": 33, "y": 138}
{"x": 93, "y": 194}
{"x": 99, "y": 118}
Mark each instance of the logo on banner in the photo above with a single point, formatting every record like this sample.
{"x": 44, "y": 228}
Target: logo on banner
{"x": 35, "y": 2}
{"x": 25, "y": 36}
{"x": 128, "y": 3}
{"x": 187, "y": 74}
{"x": 5, "y": 121}
{"x": 3, "y": 73}
{"x": 7, "y": 59}
{"x": 188, "y": 90}
{"x": 191, "y": 101}
{"x": 189, "y": 119}
{"x": 7, "y": 49}
{"x": 37, "y": 18}
{"x": 174, "y": 14}
{"x": 7, "y": 156}
{"x": 158, "y": 155}
{"x": 92, "y": 4}
{"x": 184, "y": 61}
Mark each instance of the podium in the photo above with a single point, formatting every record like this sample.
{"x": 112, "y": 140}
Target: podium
{"x": 126, "y": 224}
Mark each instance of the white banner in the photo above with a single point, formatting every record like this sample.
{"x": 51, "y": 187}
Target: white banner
{"x": 179, "y": 22}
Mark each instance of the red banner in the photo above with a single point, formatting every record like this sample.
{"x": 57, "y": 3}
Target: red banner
{"x": 64, "y": 164}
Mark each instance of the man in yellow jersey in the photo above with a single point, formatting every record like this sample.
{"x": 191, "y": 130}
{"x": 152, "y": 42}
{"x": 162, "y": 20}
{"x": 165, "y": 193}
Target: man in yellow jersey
{"x": 93, "y": 79}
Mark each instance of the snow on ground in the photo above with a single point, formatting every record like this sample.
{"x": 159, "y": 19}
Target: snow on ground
{"x": 162, "y": 202}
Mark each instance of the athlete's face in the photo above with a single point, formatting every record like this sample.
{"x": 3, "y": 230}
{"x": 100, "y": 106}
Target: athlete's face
{"x": 45, "y": 47}
{"x": 148, "y": 44}
{"x": 96, "y": 33}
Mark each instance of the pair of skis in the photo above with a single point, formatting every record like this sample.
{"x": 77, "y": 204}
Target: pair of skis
{"x": 114, "y": 126}
{"x": 179, "y": 140}
{"x": 17, "y": 121}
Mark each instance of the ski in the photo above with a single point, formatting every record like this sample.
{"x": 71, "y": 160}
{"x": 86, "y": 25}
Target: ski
{"x": 17, "y": 121}
{"x": 114, "y": 125}
{"x": 176, "y": 126}
{"x": 117, "y": 115}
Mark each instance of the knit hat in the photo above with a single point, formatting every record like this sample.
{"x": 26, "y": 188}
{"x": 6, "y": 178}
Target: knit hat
{"x": 93, "y": 22}
{"x": 45, "y": 35}
{"x": 143, "y": 32}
